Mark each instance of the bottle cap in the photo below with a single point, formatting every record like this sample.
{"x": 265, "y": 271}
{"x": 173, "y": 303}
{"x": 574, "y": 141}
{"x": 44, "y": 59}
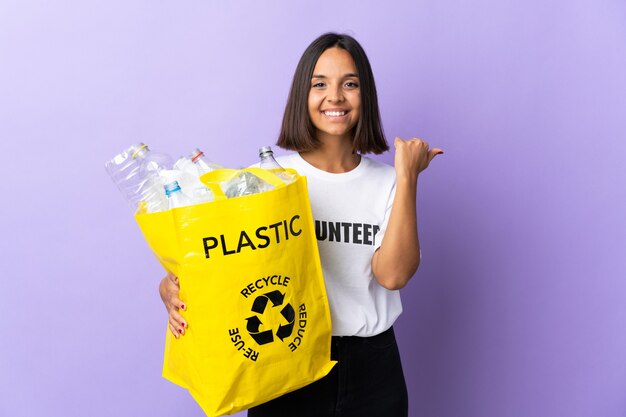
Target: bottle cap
{"x": 171, "y": 187}
{"x": 195, "y": 154}
{"x": 265, "y": 149}
{"x": 137, "y": 150}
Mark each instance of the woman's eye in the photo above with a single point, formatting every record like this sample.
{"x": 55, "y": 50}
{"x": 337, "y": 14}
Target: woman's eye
{"x": 351, "y": 84}
{"x": 317, "y": 85}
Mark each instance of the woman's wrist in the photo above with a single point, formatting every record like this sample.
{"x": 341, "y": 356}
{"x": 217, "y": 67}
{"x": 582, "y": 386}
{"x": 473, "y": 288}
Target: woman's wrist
{"x": 407, "y": 180}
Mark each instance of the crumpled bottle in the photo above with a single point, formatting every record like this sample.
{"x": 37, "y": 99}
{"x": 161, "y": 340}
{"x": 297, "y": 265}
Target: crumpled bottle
{"x": 245, "y": 183}
{"x": 269, "y": 163}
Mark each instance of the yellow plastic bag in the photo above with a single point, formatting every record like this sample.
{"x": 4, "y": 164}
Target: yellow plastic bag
{"x": 249, "y": 271}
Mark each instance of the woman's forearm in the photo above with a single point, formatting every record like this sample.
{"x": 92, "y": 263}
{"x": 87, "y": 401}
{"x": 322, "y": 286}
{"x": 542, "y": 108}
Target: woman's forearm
{"x": 398, "y": 257}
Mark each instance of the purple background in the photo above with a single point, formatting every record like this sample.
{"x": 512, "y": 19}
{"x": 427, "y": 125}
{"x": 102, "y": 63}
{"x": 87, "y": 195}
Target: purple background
{"x": 519, "y": 306}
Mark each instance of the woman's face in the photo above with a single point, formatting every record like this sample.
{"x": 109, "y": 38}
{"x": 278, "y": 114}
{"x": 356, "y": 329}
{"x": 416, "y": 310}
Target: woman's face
{"x": 335, "y": 96}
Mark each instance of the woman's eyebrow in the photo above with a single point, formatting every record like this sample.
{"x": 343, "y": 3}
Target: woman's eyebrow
{"x": 348, "y": 75}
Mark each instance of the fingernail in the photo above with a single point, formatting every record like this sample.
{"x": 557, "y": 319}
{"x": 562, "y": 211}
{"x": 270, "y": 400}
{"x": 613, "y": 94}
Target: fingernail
{"x": 180, "y": 331}
{"x": 184, "y": 324}
{"x": 182, "y": 306}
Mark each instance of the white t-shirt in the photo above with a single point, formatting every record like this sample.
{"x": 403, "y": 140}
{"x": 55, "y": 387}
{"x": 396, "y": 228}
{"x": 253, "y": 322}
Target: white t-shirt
{"x": 351, "y": 212}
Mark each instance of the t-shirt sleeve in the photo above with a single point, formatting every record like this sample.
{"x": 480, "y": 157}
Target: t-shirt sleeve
{"x": 378, "y": 239}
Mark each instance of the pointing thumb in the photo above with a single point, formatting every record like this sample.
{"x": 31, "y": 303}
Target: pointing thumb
{"x": 434, "y": 152}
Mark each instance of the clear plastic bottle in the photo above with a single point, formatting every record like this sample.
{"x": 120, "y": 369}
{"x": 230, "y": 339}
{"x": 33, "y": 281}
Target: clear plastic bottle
{"x": 124, "y": 171}
{"x": 189, "y": 181}
{"x": 269, "y": 163}
{"x": 201, "y": 163}
{"x": 151, "y": 165}
{"x": 175, "y": 197}
{"x": 151, "y": 162}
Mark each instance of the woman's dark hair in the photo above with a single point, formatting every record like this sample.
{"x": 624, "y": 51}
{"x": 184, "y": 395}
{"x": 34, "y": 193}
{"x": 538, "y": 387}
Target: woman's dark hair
{"x": 298, "y": 133}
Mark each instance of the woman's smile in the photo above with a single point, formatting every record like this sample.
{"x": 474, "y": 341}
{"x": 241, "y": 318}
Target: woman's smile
{"x": 336, "y": 115}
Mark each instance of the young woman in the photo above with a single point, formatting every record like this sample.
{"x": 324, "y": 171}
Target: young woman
{"x": 366, "y": 226}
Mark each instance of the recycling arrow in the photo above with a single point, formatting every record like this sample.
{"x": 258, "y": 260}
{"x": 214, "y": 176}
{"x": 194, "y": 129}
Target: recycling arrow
{"x": 259, "y": 304}
{"x": 276, "y": 297}
{"x": 253, "y": 329}
{"x": 290, "y": 315}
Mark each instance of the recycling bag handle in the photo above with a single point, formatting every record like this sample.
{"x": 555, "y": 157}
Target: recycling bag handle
{"x": 213, "y": 179}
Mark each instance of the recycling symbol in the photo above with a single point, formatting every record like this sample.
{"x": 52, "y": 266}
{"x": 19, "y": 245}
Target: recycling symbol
{"x": 259, "y": 306}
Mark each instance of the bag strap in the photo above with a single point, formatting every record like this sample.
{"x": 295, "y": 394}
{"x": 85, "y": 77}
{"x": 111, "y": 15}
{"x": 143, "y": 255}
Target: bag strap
{"x": 214, "y": 178}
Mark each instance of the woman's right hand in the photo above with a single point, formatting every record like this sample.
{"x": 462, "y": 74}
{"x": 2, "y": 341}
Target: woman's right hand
{"x": 169, "y": 289}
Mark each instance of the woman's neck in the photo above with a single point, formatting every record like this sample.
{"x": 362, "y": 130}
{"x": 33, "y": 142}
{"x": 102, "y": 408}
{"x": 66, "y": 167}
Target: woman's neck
{"x": 334, "y": 155}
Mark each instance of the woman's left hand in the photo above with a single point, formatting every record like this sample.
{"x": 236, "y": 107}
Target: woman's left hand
{"x": 412, "y": 157}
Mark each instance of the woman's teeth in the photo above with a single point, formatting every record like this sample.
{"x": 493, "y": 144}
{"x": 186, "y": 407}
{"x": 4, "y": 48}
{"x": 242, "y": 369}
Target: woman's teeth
{"x": 334, "y": 113}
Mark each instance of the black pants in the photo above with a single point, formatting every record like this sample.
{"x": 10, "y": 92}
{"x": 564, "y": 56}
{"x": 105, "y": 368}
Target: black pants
{"x": 366, "y": 382}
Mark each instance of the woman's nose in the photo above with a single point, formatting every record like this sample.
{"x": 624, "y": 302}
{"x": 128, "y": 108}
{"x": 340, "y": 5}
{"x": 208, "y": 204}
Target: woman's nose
{"x": 335, "y": 95}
